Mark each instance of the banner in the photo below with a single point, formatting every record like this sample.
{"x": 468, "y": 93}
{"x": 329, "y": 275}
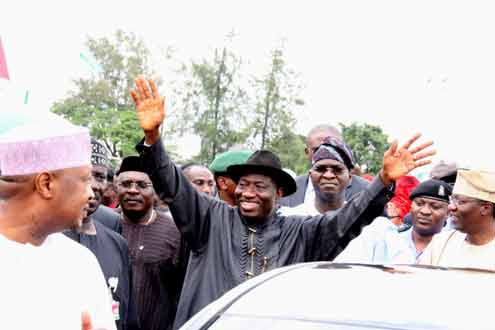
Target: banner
{"x": 4, "y": 73}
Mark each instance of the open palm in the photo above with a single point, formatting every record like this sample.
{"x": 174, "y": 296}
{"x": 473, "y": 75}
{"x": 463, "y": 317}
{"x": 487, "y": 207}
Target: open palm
{"x": 398, "y": 162}
{"x": 150, "y": 107}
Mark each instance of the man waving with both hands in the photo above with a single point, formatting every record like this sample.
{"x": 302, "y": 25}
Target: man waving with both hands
{"x": 232, "y": 244}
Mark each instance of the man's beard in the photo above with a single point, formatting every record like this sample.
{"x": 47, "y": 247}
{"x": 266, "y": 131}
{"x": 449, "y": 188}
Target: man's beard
{"x": 328, "y": 198}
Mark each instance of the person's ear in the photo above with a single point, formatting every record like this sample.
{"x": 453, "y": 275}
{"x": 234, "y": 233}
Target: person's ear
{"x": 486, "y": 209}
{"x": 306, "y": 151}
{"x": 280, "y": 192}
{"x": 221, "y": 183}
{"x": 44, "y": 184}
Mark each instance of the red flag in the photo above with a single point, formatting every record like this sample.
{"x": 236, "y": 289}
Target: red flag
{"x": 4, "y": 73}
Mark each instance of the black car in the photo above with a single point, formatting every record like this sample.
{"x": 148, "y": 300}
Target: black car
{"x": 325, "y": 295}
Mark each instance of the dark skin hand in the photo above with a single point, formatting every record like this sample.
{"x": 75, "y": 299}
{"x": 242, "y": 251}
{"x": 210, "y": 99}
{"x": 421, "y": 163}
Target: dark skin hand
{"x": 86, "y": 322}
{"x": 397, "y": 161}
{"x": 150, "y": 108}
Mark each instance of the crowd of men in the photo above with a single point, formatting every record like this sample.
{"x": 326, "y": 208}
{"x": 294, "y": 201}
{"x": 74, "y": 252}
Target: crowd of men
{"x": 150, "y": 245}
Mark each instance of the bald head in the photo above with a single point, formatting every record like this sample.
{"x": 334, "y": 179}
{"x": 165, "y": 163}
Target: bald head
{"x": 200, "y": 177}
{"x": 328, "y": 130}
{"x": 316, "y": 136}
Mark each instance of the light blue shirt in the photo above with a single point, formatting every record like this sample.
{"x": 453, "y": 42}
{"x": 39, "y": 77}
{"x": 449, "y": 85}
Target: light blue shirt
{"x": 380, "y": 243}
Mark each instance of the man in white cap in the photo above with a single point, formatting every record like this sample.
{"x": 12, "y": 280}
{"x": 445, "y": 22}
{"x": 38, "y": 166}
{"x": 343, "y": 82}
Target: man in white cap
{"x": 47, "y": 280}
{"x": 472, "y": 243}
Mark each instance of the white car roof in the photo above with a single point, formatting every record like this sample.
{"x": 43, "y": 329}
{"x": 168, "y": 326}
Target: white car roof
{"x": 395, "y": 297}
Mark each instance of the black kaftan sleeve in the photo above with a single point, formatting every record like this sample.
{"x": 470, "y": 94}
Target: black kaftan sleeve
{"x": 190, "y": 209}
{"x": 327, "y": 235}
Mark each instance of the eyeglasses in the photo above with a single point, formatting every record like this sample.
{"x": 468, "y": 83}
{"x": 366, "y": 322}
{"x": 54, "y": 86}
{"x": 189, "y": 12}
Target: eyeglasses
{"x": 140, "y": 185}
{"x": 455, "y": 200}
{"x": 322, "y": 169}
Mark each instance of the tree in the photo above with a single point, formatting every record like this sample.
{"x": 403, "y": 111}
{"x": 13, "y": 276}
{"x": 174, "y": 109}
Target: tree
{"x": 273, "y": 121}
{"x": 368, "y": 143}
{"x": 213, "y": 103}
{"x": 102, "y": 102}
{"x": 289, "y": 147}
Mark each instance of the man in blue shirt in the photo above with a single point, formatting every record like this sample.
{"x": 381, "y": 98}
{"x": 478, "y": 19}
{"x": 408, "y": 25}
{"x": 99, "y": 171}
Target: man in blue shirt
{"x": 381, "y": 243}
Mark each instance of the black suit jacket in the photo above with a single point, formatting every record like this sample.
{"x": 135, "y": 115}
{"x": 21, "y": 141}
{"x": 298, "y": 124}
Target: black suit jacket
{"x": 355, "y": 185}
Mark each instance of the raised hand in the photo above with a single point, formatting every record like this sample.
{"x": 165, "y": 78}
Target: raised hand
{"x": 150, "y": 108}
{"x": 86, "y": 322}
{"x": 398, "y": 162}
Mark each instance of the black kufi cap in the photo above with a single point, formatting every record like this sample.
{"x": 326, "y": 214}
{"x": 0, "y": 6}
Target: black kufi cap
{"x": 131, "y": 163}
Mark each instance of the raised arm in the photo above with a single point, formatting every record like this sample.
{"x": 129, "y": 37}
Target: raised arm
{"x": 189, "y": 208}
{"x": 327, "y": 235}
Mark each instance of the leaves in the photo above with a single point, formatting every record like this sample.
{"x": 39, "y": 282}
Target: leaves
{"x": 368, "y": 143}
{"x": 212, "y": 102}
{"x": 102, "y": 102}
{"x": 273, "y": 123}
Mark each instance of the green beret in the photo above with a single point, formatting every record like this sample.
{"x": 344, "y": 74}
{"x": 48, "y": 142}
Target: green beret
{"x": 224, "y": 160}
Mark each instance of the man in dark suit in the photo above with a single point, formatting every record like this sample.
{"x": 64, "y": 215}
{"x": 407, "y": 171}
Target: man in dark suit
{"x": 305, "y": 190}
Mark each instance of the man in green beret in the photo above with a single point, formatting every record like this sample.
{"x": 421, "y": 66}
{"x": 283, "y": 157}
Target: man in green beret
{"x": 225, "y": 184}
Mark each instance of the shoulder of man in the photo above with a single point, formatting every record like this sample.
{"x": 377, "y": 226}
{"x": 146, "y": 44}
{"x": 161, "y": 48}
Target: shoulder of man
{"x": 108, "y": 217}
{"x": 72, "y": 249}
{"x": 442, "y": 237}
{"x": 359, "y": 182}
{"x": 298, "y": 196}
{"x": 101, "y": 229}
{"x": 302, "y": 181}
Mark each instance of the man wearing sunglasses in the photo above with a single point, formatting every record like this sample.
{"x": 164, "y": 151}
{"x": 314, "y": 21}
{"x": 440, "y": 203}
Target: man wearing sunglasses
{"x": 472, "y": 242}
{"x": 329, "y": 175}
{"x": 305, "y": 191}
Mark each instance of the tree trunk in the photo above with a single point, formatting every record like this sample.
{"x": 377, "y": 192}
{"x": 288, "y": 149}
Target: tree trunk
{"x": 271, "y": 83}
{"x": 216, "y": 109}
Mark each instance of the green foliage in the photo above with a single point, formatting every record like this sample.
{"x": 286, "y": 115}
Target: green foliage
{"x": 211, "y": 102}
{"x": 273, "y": 121}
{"x": 102, "y": 102}
{"x": 368, "y": 143}
{"x": 277, "y": 95}
{"x": 289, "y": 147}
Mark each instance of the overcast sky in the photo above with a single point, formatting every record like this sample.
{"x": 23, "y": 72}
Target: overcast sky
{"x": 406, "y": 66}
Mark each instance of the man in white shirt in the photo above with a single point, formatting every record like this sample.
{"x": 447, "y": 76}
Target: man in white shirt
{"x": 305, "y": 192}
{"x": 330, "y": 174}
{"x": 47, "y": 280}
{"x": 472, "y": 242}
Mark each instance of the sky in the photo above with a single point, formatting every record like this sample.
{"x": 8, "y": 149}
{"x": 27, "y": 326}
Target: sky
{"x": 407, "y": 66}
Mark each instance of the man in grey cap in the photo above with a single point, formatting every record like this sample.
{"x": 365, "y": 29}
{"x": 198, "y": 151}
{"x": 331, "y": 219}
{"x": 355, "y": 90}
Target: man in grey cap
{"x": 330, "y": 174}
